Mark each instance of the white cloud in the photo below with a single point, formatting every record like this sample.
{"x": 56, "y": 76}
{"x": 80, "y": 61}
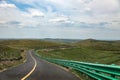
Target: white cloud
{"x": 2, "y": 22}
{"x": 104, "y": 7}
{"x": 26, "y": 18}
{"x": 35, "y": 12}
{"x": 87, "y": 7}
{"x": 3, "y": 4}
{"x": 113, "y": 26}
{"x": 61, "y": 19}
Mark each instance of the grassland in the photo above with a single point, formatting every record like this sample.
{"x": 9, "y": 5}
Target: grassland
{"x": 9, "y": 57}
{"x": 9, "y": 53}
{"x": 84, "y": 55}
{"x": 105, "y": 52}
{"x": 99, "y": 44}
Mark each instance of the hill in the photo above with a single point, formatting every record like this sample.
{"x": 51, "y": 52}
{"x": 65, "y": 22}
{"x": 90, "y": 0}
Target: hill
{"x": 99, "y": 44}
{"x": 89, "y": 50}
{"x": 84, "y": 55}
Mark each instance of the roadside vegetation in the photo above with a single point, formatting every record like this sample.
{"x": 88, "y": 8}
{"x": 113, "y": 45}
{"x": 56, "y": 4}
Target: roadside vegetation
{"x": 7, "y": 53}
{"x": 12, "y": 52}
{"x": 95, "y": 51}
{"x": 84, "y": 55}
{"x": 9, "y": 57}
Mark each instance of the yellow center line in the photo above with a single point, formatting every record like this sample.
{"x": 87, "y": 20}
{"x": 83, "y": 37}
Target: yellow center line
{"x": 31, "y": 70}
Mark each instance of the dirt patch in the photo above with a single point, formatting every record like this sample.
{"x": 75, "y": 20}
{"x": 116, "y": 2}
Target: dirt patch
{"x": 6, "y": 64}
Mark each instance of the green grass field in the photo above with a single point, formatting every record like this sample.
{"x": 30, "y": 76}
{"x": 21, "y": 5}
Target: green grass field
{"x": 9, "y": 57}
{"x": 9, "y": 53}
{"x": 84, "y": 55}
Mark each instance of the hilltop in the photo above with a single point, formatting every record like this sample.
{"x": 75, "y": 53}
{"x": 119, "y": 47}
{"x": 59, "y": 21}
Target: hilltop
{"x": 99, "y": 44}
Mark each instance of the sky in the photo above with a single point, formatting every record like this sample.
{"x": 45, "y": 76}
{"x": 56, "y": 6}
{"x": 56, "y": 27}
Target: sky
{"x": 67, "y": 19}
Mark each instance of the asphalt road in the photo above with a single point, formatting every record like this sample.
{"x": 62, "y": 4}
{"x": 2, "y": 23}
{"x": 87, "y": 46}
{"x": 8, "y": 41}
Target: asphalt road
{"x": 36, "y": 69}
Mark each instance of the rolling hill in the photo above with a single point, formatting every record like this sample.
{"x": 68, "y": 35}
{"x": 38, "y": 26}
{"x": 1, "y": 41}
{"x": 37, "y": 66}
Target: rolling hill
{"x": 99, "y": 44}
{"x": 90, "y": 50}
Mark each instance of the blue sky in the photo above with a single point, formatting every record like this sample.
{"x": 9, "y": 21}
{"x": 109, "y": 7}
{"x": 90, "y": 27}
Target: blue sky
{"x": 70, "y": 19}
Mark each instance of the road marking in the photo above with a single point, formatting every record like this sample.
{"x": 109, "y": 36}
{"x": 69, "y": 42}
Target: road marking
{"x": 31, "y": 70}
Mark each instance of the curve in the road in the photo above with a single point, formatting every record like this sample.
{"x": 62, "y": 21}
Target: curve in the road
{"x": 35, "y": 64}
{"x": 36, "y": 69}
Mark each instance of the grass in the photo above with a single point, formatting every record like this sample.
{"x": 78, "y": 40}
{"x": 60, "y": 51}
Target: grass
{"x": 8, "y": 53}
{"x": 84, "y": 55}
{"x": 99, "y": 44}
{"x": 10, "y": 57}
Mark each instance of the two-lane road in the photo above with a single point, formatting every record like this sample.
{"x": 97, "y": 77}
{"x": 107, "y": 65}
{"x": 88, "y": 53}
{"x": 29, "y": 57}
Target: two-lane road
{"x": 36, "y": 69}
